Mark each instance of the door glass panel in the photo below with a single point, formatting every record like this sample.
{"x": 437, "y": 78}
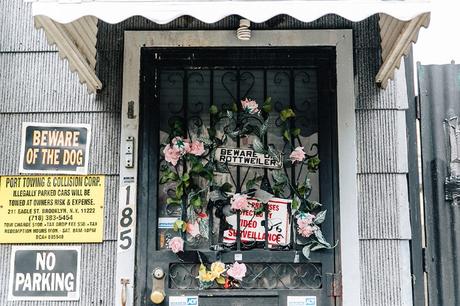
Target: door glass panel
{"x": 185, "y": 98}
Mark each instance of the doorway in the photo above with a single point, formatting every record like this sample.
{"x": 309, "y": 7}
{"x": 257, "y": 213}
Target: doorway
{"x": 182, "y": 85}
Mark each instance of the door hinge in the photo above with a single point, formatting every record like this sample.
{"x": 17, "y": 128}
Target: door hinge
{"x": 334, "y": 284}
{"x": 418, "y": 110}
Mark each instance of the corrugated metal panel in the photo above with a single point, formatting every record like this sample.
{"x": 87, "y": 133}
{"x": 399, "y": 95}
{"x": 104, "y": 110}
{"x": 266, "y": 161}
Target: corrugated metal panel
{"x": 163, "y": 12}
{"x": 385, "y": 270}
{"x": 97, "y": 262}
{"x": 41, "y": 82}
{"x": 381, "y": 141}
{"x": 439, "y": 88}
{"x": 105, "y": 142}
{"x": 397, "y": 37}
{"x": 383, "y": 201}
{"x": 17, "y": 28}
{"x": 76, "y": 42}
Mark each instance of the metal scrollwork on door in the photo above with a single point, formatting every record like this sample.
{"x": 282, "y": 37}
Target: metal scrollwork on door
{"x": 259, "y": 276}
{"x": 452, "y": 183}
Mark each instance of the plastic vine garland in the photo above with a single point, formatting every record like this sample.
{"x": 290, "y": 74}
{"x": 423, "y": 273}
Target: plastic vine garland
{"x": 190, "y": 162}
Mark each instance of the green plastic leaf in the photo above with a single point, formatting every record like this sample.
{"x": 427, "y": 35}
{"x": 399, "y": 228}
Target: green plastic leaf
{"x": 252, "y": 182}
{"x": 230, "y": 114}
{"x": 279, "y": 177}
{"x": 220, "y": 280}
{"x": 320, "y": 237}
{"x": 226, "y": 187}
{"x": 258, "y": 146}
{"x": 286, "y": 113}
{"x": 286, "y": 135}
{"x": 197, "y": 167}
{"x": 295, "y": 203}
{"x": 295, "y": 132}
{"x": 168, "y": 177}
{"x": 267, "y": 106}
{"x": 179, "y": 225}
{"x": 313, "y": 163}
{"x": 306, "y": 251}
{"x": 318, "y": 247}
{"x": 320, "y": 217}
{"x": 263, "y": 128}
{"x": 234, "y": 107}
{"x": 179, "y": 191}
{"x": 196, "y": 201}
{"x": 172, "y": 201}
{"x": 185, "y": 177}
{"x": 213, "y": 110}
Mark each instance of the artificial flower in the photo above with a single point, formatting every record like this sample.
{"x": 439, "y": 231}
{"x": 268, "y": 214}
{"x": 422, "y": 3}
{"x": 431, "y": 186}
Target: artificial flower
{"x": 181, "y": 144}
{"x": 250, "y": 106}
{"x": 172, "y": 155}
{"x": 237, "y": 271}
{"x": 193, "y": 229}
{"x": 305, "y": 225}
{"x": 205, "y": 277}
{"x": 239, "y": 202}
{"x": 176, "y": 244}
{"x": 217, "y": 268}
{"x": 202, "y": 215}
{"x": 297, "y": 155}
{"x": 197, "y": 148}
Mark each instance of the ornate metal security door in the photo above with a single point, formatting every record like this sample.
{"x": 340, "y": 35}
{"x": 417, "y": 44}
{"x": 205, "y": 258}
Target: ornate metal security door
{"x": 189, "y": 96}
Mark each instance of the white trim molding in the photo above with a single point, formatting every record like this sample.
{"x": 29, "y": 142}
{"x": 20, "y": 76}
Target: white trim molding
{"x": 347, "y": 152}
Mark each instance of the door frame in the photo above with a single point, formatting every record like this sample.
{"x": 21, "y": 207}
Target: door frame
{"x": 348, "y": 252}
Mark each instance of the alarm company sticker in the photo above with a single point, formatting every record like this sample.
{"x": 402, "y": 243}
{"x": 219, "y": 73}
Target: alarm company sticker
{"x": 301, "y": 301}
{"x": 183, "y": 301}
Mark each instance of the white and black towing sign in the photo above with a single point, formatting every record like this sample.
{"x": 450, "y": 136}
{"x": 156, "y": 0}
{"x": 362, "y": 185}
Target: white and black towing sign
{"x": 45, "y": 273}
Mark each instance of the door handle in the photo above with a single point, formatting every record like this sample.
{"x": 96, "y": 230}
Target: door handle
{"x": 158, "y": 286}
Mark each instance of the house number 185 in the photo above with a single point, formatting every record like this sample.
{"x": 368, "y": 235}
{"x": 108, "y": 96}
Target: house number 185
{"x": 126, "y": 220}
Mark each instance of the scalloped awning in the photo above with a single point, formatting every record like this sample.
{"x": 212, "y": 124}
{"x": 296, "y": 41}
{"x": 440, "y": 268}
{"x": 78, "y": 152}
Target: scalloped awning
{"x": 72, "y": 24}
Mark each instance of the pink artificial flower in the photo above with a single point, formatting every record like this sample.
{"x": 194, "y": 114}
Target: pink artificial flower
{"x": 181, "y": 144}
{"x": 193, "y": 229}
{"x": 237, "y": 271}
{"x": 176, "y": 244}
{"x": 197, "y": 148}
{"x": 172, "y": 155}
{"x": 297, "y": 155}
{"x": 305, "y": 227}
{"x": 250, "y": 106}
{"x": 239, "y": 202}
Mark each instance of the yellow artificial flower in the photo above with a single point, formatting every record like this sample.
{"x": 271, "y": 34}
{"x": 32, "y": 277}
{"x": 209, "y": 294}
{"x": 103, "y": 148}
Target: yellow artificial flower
{"x": 204, "y": 275}
{"x": 217, "y": 268}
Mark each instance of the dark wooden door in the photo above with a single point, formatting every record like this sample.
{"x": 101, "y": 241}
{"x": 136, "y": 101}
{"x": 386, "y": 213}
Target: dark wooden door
{"x": 181, "y": 85}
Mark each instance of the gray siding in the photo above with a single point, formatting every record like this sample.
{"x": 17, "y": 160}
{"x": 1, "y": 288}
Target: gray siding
{"x": 49, "y": 92}
{"x": 36, "y": 85}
